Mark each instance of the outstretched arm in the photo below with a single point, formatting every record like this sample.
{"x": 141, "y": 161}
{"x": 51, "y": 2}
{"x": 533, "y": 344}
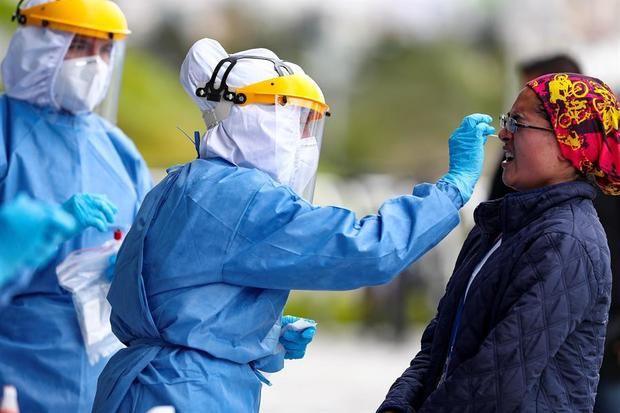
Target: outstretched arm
{"x": 282, "y": 242}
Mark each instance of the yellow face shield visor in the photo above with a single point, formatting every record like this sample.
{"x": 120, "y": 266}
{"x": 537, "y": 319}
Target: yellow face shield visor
{"x": 296, "y": 89}
{"x": 102, "y": 19}
{"x": 288, "y": 87}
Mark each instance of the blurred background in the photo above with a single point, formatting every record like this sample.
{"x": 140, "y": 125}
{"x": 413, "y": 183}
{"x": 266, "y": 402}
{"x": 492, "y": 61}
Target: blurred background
{"x": 399, "y": 76}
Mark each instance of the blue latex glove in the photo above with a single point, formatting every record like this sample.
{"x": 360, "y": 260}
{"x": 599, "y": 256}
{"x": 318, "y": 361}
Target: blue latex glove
{"x": 467, "y": 153}
{"x": 30, "y": 233}
{"x": 91, "y": 211}
{"x": 296, "y": 340}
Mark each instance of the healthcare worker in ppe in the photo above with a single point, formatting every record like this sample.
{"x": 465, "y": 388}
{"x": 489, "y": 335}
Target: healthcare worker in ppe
{"x": 203, "y": 275}
{"x": 59, "y": 66}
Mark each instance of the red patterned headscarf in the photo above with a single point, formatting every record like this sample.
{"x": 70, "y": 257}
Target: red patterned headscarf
{"x": 585, "y": 116}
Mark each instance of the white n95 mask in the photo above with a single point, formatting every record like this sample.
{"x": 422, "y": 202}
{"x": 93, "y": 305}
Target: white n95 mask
{"x": 305, "y": 165}
{"x": 81, "y": 84}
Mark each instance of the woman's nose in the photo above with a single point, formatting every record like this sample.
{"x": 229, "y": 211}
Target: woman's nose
{"x": 504, "y": 135}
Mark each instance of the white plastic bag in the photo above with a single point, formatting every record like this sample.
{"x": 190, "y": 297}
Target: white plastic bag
{"x": 83, "y": 273}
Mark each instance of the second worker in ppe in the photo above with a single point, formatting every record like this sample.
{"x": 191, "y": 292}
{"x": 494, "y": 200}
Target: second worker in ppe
{"x": 205, "y": 272}
{"x": 59, "y": 66}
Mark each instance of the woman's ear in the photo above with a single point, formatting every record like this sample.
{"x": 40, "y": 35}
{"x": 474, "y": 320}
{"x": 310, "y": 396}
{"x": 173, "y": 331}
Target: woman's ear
{"x": 562, "y": 159}
{"x": 567, "y": 166}
{"x": 571, "y": 171}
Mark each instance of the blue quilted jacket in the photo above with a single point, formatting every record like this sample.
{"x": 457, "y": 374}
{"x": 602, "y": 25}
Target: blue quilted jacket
{"x": 533, "y": 325}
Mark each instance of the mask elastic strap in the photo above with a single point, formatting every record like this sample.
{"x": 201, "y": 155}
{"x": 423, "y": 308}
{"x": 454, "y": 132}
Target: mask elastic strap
{"x": 21, "y": 19}
{"x": 222, "y": 92}
{"x": 216, "y": 115}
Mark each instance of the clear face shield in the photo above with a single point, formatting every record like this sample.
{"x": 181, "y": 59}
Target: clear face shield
{"x": 299, "y": 112}
{"x": 299, "y": 127}
{"x": 108, "y": 108}
{"x": 90, "y": 76}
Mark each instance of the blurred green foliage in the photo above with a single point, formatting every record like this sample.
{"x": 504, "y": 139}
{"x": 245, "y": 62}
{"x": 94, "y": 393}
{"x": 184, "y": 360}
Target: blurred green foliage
{"x": 7, "y": 8}
{"x": 328, "y": 307}
{"x": 408, "y": 99}
{"x": 152, "y": 105}
{"x": 332, "y": 308}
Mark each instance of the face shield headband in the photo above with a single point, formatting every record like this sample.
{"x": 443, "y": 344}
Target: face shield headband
{"x": 223, "y": 95}
{"x": 21, "y": 19}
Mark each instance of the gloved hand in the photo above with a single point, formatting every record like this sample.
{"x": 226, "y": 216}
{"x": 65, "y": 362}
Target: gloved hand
{"x": 91, "y": 211}
{"x": 30, "y": 233}
{"x": 295, "y": 335}
{"x": 467, "y": 153}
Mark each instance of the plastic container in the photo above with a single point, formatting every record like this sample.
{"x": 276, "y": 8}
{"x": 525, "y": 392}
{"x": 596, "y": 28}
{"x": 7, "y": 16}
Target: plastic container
{"x": 9, "y": 400}
{"x": 162, "y": 409}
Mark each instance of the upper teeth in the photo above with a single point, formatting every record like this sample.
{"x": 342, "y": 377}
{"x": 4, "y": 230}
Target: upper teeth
{"x": 508, "y": 155}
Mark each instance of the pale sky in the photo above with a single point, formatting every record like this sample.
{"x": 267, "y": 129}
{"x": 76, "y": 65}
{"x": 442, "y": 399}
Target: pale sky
{"x": 528, "y": 28}
{"x": 423, "y": 18}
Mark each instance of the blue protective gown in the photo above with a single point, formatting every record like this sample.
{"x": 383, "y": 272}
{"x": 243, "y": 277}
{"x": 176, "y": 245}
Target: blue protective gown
{"x": 51, "y": 156}
{"x": 204, "y": 274}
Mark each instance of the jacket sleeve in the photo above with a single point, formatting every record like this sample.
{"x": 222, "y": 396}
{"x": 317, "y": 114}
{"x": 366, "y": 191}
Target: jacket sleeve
{"x": 558, "y": 286}
{"x": 143, "y": 179}
{"x": 283, "y": 242}
{"x": 407, "y": 387}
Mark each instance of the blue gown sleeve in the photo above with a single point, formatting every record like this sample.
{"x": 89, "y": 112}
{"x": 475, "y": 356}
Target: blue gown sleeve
{"x": 283, "y": 242}
{"x": 134, "y": 163}
{"x": 144, "y": 181}
{"x": 19, "y": 280}
{"x": 4, "y": 156}
{"x": 270, "y": 364}
{"x": 22, "y": 276}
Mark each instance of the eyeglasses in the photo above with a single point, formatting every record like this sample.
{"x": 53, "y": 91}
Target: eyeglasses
{"x": 511, "y": 124}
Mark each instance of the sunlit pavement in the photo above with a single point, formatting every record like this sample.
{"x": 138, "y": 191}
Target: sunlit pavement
{"x": 340, "y": 373}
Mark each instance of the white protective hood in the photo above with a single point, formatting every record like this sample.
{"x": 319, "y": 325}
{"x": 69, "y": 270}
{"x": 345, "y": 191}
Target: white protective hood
{"x": 32, "y": 62}
{"x": 247, "y": 136}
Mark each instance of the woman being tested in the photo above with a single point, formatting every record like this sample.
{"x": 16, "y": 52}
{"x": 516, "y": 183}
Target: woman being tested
{"x": 205, "y": 272}
{"x": 521, "y": 326}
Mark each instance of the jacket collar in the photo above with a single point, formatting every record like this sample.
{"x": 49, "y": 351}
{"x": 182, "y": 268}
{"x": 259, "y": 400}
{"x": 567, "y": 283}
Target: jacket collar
{"x": 514, "y": 211}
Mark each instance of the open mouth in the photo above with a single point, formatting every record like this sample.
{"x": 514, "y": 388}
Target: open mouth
{"x": 508, "y": 157}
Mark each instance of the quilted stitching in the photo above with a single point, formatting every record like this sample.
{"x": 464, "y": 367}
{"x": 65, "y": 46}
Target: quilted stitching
{"x": 534, "y": 322}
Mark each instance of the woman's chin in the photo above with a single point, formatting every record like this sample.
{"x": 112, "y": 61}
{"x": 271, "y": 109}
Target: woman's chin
{"x": 508, "y": 180}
